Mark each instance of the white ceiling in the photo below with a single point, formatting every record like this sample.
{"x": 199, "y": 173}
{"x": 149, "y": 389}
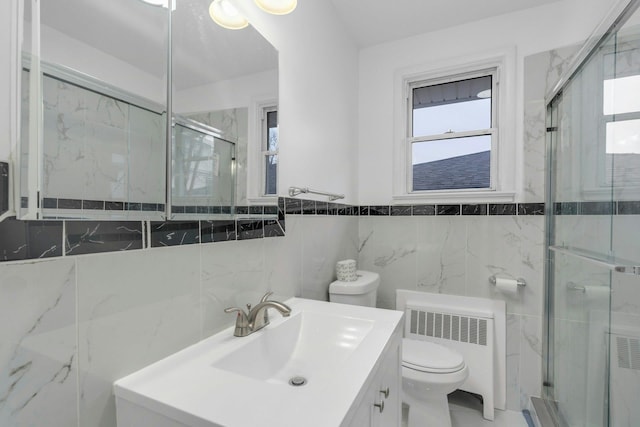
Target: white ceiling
{"x": 377, "y": 21}
{"x": 135, "y": 32}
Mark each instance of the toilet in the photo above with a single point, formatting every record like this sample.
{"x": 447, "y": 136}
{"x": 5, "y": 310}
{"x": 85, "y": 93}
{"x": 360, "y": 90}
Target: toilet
{"x": 361, "y": 291}
{"x": 429, "y": 371}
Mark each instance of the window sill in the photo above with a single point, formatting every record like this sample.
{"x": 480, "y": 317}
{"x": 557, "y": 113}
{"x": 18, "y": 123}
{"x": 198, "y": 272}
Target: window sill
{"x": 264, "y": 200}
{"x": 458, "y": 197}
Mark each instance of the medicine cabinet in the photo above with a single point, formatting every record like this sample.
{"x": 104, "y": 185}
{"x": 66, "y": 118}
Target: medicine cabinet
{"x": 130, "y": 109}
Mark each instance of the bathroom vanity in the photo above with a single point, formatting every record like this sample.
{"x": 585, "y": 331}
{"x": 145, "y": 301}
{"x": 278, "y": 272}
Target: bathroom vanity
{"x": 325, "y": 365}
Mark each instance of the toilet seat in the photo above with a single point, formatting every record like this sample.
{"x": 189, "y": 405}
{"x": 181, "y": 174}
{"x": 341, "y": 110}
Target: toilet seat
{"x": 428, "y": 357}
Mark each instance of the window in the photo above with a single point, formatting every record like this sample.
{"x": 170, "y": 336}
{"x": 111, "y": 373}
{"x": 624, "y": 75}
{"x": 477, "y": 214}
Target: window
{"x": 452, "y": 132}
{"x": 270, "y": 150}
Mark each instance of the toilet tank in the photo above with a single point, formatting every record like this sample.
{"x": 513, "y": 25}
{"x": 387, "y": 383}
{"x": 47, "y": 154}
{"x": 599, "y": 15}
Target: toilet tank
{"x": 361, "y": 291}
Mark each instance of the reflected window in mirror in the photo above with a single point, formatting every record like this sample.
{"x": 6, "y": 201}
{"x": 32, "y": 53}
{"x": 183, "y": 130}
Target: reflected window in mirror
{"x": 621, "y": 116}
{"x": 270, "y": 150}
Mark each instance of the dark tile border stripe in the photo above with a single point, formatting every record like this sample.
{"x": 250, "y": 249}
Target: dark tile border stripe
{"x": 478, "y": 209}
{"x": 613, "y": 207}
{"x": 102, "y": 205}
{"x": 502, "y": 209}
{"x": 628, "y": 208}
{"x": 90, "y": 237}
{"x": 448, "y": 209}
{"x": 530, "y": 208}
{"x": 22, "y": 240}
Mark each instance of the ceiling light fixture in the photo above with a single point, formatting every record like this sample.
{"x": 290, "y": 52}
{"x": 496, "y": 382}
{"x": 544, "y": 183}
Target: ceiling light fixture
{"x": 277, "y": 7}
{"x": 484, "y": 94}
{"x": 226, "y": 15}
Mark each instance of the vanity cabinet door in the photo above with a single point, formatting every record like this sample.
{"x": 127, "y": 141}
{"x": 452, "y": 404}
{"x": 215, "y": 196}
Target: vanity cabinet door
{"x": 389, "y": 391}
{"x": 381, "y": 405}
{"x": 364, "y": 415}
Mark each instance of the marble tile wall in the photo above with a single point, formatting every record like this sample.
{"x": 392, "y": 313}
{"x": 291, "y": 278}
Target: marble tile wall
{"x": 457, "y": 255}
{"x": 234, "y": 125}
{"x": 99, "y": 148}
{"x": 541, "y": 72}
{"x": 80, "y": 322}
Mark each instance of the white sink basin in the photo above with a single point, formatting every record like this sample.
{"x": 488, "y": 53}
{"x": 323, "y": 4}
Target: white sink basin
{"x": 307, "y": 345}
{"x": 231, "y": 381}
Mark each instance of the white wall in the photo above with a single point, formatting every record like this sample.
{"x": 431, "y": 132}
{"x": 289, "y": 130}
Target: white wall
{"x": 223, "y": 95}
{"x": 318, "y": 97}
{"x": 5, "y": 78}
{"x": 58, "y": 48}
{"x": 529, "y": 31}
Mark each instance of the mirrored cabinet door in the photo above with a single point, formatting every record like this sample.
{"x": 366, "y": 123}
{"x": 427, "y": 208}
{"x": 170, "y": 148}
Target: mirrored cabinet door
{"x": 219, "y": 77}
{"x": 93, "y": 140}
{"x": 99, "y": 81}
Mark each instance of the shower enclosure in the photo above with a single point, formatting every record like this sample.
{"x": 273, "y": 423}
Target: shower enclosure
{"x": 592, "y": 346}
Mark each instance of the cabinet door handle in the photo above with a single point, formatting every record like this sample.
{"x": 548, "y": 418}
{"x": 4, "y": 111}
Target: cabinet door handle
{"x": 380, "y": 406}
{"x": 385, "y": 392}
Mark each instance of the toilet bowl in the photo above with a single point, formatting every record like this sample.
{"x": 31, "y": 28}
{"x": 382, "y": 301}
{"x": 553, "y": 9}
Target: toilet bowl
{"x": 429, "y": 373}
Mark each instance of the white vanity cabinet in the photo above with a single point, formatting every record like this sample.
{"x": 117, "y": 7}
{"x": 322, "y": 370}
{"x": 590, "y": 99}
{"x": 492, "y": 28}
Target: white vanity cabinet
{"x": 349, "y": 355}
{"x": 380, "y": 403}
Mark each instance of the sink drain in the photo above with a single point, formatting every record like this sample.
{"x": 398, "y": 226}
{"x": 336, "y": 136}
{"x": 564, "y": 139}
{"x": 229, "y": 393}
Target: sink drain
{"x": 297, "y": 381}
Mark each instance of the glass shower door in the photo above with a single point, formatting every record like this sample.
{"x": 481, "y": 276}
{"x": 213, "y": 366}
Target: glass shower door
{"x": 592, "y": 351}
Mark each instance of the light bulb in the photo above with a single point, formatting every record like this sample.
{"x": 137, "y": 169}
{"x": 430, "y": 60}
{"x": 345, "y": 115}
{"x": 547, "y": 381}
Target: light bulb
{"x": 277, "y": 7}
{"x": 226, "y": 15}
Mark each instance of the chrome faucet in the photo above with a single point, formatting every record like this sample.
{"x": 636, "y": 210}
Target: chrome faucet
{"x": 256, "y": 317}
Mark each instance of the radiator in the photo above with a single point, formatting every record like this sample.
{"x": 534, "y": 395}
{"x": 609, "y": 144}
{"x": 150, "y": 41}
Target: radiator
{"x": 470, "y": 326}
{"x": 624, "y": 376}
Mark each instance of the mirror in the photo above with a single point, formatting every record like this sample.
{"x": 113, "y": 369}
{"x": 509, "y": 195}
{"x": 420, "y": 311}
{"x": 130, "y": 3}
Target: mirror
{"x": 98, "y": 148}
{"x": 219, "y": 78}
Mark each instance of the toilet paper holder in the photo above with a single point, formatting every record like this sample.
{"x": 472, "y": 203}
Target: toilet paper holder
{"x": 519, "y": 281}
{"x": 573, "y": 286}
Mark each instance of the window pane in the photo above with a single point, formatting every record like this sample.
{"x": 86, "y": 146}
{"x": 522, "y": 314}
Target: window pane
{"x": 271, "y": 174}
{"x": 458, "y": 106}
{"x": 621, "y": 95}
{"x": 452, "y": 163}
{"x": 272, "y": 131}
{"x": 623, "y": 152}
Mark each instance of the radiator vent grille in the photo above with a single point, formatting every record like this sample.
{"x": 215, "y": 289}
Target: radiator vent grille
{"x": 466, "y": 329}
{"x": 628, "y": 352}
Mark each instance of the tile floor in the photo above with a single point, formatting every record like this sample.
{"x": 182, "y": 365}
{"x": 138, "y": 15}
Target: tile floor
{"x": 466, "y": 411}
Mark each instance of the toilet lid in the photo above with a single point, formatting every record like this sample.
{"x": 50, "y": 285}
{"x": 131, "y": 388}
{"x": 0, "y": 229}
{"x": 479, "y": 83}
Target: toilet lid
{"x": 430, "y": 357}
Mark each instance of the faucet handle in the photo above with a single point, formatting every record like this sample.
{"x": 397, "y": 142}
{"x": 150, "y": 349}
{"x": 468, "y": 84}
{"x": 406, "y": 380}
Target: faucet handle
{"x": 242, "y": 321}
{"x": 232, "y": 309}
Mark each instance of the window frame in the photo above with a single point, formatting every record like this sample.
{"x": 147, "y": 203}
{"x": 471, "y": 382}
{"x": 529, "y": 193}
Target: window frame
{"x": 255, "y": 168}
{"x": 264, "y": 149}
{"x": 492, "y": 131}
{"x": 508, "y": 149}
